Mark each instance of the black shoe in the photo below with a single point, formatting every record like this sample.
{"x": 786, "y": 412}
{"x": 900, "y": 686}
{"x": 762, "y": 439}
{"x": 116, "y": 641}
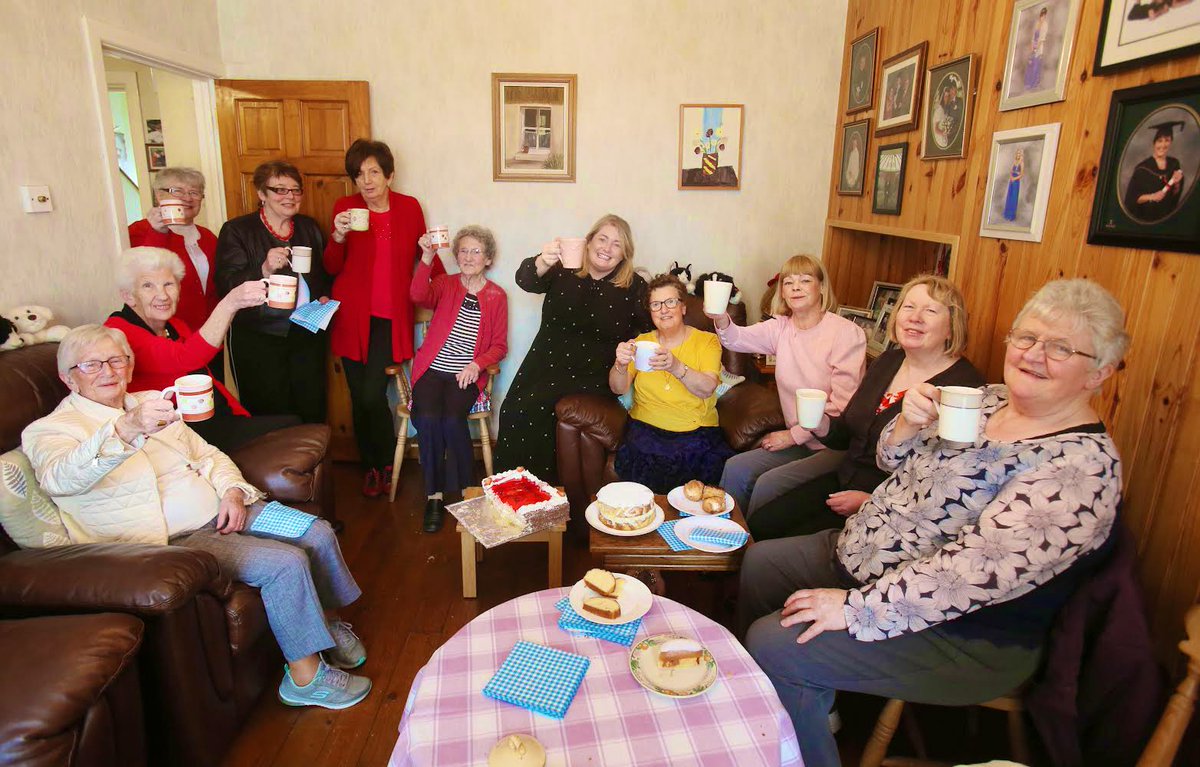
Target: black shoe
{"x": 434, "y": 510}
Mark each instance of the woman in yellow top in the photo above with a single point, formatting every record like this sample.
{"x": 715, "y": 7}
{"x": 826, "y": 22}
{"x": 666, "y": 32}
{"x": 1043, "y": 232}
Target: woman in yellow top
{"x": 673, "y": 436}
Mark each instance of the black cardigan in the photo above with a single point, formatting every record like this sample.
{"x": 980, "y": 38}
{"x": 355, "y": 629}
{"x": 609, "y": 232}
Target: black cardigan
{"x": 858, "y": 428}
{"x": 241, "y": 251}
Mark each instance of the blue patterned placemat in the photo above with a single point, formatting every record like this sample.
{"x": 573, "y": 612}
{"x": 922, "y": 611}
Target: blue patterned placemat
{"x": 730, "y": 538}
{"x": 683, "y": 513}
{"x": 315, "y": 315}
{"x": 539, "y": 678}
{"x": 574, "y": 623}
{"x": 277, "y": 519}
{"x": 667, "y": 531}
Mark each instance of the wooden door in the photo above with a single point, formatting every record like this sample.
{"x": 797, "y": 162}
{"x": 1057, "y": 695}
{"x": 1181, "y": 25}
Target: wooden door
{"x": 311, "y": 124}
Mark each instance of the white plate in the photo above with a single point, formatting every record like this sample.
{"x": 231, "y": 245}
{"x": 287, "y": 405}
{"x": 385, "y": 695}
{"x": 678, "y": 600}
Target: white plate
{"x": 592, "y": 515}
{"x": 671, "y": 682}
{"x": 685, "y": 526}
{"x": 680, "y": 501}
{"x": 635, "y": 600}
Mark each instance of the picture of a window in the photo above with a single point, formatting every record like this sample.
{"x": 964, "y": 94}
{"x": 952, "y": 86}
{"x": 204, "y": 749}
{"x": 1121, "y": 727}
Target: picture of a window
{"x": 533, "y": 127}
{"x": 535, "y": 134}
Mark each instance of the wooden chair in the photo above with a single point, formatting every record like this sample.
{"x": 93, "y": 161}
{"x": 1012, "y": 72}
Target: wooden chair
{"x": 1164, "y": 743}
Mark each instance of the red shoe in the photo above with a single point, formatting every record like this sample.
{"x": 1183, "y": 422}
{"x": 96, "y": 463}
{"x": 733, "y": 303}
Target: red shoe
{"x": 385, "y": 479}
{"x": 372, "y": 484}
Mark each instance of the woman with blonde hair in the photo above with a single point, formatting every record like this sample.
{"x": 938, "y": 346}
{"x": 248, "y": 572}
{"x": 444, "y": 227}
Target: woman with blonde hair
{"x": 587, "y": 312}
{"x": 814, "y": 348}
{"x": 929, "y": 328}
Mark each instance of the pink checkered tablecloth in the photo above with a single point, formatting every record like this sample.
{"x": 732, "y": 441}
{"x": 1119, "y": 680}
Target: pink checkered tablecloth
{"x": 613, "y": 720}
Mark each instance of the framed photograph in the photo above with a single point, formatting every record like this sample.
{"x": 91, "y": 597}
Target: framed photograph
{"x": 1018, "y": 186}
{"x": 877, "y": 339}
{"x": 1146, "y": 186}
{"x": 1040, "y": 39}
{"x": 860, "y": 317}
{"x": 154, "y": 134}
{"x": 853, "y": 167}
{"x": 900, "y": 91}
{"x": 156, "y": 157}
{"x": 710, "y": 146}
{"x": 949, "y": 96}
{"x": 1134, "y": 33}
{"x": 533, "y": 127}
{"x": 889, "y": 178}
{"x": 881, "y": 293}
{"x": 864, "y": 53}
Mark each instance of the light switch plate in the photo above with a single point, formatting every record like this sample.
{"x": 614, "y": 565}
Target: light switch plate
{"x": 36, "y": 199}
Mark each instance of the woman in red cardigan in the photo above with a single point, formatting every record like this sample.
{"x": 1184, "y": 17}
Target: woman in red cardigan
{"x": 195, "y": 245}
{"x": 372, "y": 271}
{"x": 468, "y": 334}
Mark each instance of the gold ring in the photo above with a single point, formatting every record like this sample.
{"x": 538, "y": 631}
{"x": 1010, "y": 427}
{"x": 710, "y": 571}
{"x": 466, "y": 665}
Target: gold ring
{"x": 161, "y": 423}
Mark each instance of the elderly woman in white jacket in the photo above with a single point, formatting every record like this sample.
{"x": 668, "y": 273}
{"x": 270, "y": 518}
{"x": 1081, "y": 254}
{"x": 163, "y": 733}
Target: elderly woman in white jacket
{"x": 124, "y": 467}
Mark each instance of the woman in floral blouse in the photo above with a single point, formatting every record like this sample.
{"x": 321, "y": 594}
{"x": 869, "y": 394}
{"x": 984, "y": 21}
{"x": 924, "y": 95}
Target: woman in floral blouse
{"x": 942, "y": 588}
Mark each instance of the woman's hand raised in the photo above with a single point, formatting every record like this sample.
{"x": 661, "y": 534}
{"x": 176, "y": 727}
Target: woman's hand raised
{"x": 249, "y": 293}
{"x": 918, "y": 411}
{"x": 277, "y": 258}
{"x": 341, "y": 226}
{"x": 625, "y": 351}
{"x": 551, "y": 253}
{"x": 428, "y": 252}
{"x": 662, "y": 359}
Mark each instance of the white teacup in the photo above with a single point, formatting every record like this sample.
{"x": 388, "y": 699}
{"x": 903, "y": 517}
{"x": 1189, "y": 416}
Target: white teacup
{"x": 643, "y": 351}
{"x": 716, "y": 296}
{"x": 193, "y": 397}
{"x": 439, "y": 237}
{"x": 572, "y": 251}
{"x": 960, "y": 411}
{"x": 301, "y": 259}
{"x": 360, "y": 219}
{"x": 810, "y": 404}
{"x": 173, "y": 211}
{"x": 281, "y": 291}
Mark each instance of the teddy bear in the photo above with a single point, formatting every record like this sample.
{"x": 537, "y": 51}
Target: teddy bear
{"x": 33, "y": 326}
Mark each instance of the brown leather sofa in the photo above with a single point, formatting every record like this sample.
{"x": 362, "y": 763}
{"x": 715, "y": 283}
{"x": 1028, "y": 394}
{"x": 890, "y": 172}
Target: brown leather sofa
{"x": 590, "y": 426}
{"x": 208, "y": 651}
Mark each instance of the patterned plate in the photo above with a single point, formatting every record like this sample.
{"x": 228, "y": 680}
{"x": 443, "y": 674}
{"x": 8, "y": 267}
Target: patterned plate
{"x": 673, "y": 683}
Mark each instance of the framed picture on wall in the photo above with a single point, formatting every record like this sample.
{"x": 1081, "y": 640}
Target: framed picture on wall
{"x": 1134, "y": 33}
{"x": 156, "y": 157}
{"x": 154, "y": 134}
{"x": 877, "y": 339}
{"x": 1146, "y": 188}
{"x": 860, "y": 317}
{"x": 853, "y": 167}
{"x": 949, "y": 93}
{"x": 889, "y": 178}
{"x": 533, "y": 127}
{"x": 1040, "y": 38}
{"x": 881, "y": 293}
{"x": 710, "y": 146}
{"x": 900, "y": 82}
{"x": 864, "y": 53}
{"x": 1018, "y": 186}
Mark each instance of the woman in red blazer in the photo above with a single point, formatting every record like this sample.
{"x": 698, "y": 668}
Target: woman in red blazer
{"x": 468, "y": 334}
{"x": 372, "y": 271}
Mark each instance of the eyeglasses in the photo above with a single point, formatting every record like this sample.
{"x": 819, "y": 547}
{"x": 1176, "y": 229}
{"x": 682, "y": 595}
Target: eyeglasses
{"x": 181, "y": 193}
{"x": 1056, "y": 348}
{"x": 92, "y": 367}
{"x": 670, "y": 303}
{"x": 284, "y": 191}
{"x": 470, "y": 251}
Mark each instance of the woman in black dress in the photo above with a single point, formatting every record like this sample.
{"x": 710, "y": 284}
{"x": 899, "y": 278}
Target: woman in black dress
{"x": 587, "y": 312}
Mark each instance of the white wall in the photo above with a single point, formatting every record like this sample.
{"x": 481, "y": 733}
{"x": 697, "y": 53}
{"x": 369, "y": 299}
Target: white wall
{"x": 429, "y": 65}
{"x": 51, "y": 135}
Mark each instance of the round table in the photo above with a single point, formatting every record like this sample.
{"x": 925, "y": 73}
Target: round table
{"x": 613, "y": 720}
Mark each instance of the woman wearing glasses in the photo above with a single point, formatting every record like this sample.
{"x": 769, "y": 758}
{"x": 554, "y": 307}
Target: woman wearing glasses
{"x": 943, "y": 587}
{"x": 195, "y": 245}
{"x": 673, "y": 436}
{"x": 278, "y": 365}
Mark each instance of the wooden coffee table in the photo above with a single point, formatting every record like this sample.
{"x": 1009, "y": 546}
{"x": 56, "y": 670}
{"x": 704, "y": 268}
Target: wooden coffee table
{"x": 472, "y": 550}
{"x": 645, "y": 556}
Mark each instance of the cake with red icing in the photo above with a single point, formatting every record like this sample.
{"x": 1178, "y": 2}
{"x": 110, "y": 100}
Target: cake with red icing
{"x": 524, "y": 500}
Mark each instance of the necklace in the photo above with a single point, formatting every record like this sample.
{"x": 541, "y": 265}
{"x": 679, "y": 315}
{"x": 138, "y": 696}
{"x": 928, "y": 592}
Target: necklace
{"x": 291, "y": 226}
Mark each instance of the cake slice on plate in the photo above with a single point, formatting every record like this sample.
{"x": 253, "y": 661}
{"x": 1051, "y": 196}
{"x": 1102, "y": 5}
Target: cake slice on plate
{"x": 680, "y": 653}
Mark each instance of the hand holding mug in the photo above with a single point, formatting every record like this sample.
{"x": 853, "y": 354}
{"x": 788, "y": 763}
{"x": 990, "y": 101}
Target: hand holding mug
{"x": 427, "y": 249}
{"x": 248, "y": 294}
{"x": 155, "y": 219}
{"x": 551, "y": 253}
{"x": 625, "y": 352}
{"x": 277, "y": 258}
{"x": 662, "y": 359}
{"x": 149, "y": 417}
{"x": 920, "y": 405}
{"x": 341, "y": 225}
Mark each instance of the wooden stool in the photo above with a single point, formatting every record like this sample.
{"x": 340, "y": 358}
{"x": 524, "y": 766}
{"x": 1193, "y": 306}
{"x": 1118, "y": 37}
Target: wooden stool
{"x": 472, "y": 550}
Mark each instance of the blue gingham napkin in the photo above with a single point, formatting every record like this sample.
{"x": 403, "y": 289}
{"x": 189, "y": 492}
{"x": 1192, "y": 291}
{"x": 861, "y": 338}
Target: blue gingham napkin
{"x": 683, "y": 513}
{"x": 539, "y": 678}
{"x": 731, "y": 538}
{"x": 667, "y": 531}
{"x": 277, "y": 519}
{"x": 315, "y": 315}
{"x": 574, "y": 623}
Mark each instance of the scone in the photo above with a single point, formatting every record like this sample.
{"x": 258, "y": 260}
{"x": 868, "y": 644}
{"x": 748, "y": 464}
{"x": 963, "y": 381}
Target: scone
{"x": 694, "y": 490}
{"x": 713, "y": 492}
{"x": 517, "y": 751}
{"x": 713, "y": 505}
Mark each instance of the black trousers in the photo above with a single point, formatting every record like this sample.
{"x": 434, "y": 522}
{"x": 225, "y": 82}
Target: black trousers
{"x": 799, "y": 511}
{"x": 439, "y": 413}
{"x": 374, "y": 430}
{"x": 280, "y": 375}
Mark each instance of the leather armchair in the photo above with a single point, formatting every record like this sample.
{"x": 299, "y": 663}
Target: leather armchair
{"x": 591, "y": 426}
{"x": 208, "y": 652}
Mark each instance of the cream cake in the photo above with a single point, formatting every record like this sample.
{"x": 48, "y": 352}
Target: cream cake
{"x": 625, "y": 505}
{"x": 680, "y": 653}
{"x": 524, "y": 500}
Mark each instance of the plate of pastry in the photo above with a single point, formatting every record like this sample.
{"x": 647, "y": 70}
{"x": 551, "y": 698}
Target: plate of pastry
{"x": 698, "y": 498}
{"x": 610, "y": 598}
{"x": 673, "y": 665}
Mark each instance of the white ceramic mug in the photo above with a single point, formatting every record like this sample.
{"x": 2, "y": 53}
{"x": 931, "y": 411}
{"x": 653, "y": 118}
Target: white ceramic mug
{"x": 281, "y": 291}
{"x": 439, "y": 237}
{"x": 960, "y": 411}
{"x": 572, "y": 251}
{"x": 193, "y": 397}
{"x": 301, "y": 258}
{"x": 643, "y": 351}
{"x": 360, "y": 219}
{"x": 172, "y": 212}
{"x": 810, "y": 404}
{"x": 716, "y": 296}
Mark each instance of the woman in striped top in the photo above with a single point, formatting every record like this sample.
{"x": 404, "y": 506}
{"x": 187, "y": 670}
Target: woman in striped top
{"x": 468, "y": 333}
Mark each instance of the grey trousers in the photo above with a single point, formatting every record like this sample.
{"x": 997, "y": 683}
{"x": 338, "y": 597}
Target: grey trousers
{"x": 299, "y": 578}
{"x": 929, "y": 666}
{"x": 757, "y": 477}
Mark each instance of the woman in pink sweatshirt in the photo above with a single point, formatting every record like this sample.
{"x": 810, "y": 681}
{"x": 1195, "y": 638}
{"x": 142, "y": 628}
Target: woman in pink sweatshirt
{"x": 814, "y": 348}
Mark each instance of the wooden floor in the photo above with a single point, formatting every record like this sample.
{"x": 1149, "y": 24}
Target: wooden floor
{"x": 412, "y": 602}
